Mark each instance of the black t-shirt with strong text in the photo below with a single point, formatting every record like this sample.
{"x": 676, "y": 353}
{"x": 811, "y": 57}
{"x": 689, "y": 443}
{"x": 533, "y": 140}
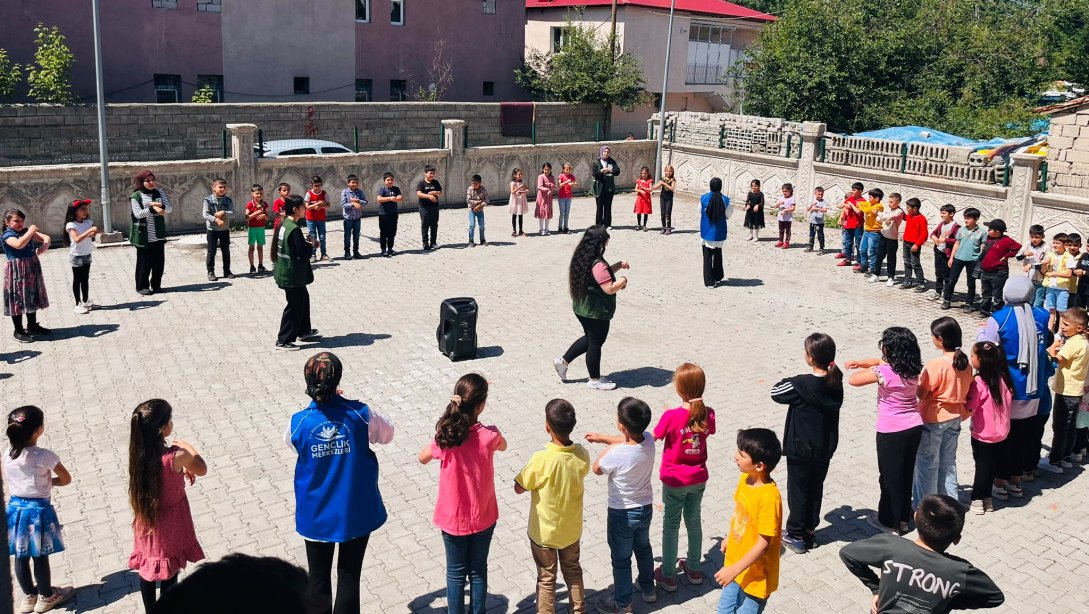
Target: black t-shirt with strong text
{"x": 428, "y": 187}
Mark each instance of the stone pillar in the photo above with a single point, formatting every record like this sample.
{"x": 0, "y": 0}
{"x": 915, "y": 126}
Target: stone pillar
{"x": 245, "y": 168}
{"x": 812, "y": 133}
{"x": 1025, "y": 170}
{"x": 457, "y": 167}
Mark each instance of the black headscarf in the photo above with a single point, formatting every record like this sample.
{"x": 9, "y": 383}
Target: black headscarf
{"x": 716, "y": 209}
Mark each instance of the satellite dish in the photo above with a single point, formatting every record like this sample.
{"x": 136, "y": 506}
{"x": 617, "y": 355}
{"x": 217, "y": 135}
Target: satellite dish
{"x": 432, "y": 87}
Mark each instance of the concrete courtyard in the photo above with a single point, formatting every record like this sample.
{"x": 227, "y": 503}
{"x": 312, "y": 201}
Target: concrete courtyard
{"x": 208, "y": 349}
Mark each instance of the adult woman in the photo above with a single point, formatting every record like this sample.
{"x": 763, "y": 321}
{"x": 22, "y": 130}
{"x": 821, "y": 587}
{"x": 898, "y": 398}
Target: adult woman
{"x": 149, "y": 205}
{"x": 337, "y": 501}
{"x": 715, "y": 209}
{"x": 593, "y": 286}
{"x": 605, "y": 171}
{"x": 293, "y": 273}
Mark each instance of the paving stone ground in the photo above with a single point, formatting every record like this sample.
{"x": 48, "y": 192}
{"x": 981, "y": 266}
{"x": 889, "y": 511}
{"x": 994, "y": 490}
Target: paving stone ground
{"x": 208, "y": 349}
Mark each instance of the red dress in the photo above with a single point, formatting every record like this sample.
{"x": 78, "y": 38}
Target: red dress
{"x": 642, "y": 201}
{"x": 161, "y": 553}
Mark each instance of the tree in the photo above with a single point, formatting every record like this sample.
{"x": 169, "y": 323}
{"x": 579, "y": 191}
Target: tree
{"x": 10, "y": 75}
{"x": 439, "y": 76}
{"x": 205, "y": 94}
{"x": 1068, "y": 36}
{"x": 50, "y": 77}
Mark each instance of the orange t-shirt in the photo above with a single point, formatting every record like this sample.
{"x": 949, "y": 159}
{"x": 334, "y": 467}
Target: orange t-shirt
{"x": 946, "y": 390}
{"x": 758, "y": 510}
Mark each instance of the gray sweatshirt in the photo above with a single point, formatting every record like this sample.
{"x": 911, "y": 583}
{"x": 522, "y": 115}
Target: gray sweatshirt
{"x": 211, "y": 206}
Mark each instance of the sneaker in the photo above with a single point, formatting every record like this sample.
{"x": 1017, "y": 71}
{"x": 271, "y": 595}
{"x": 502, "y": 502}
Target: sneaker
{"x": 1045, "y": 464}
{"x": 874, "y": 279}
{"x": 1028, "y": 476}
{"x": 668, "y": 584}
{"x": 357, "y": 256}
{"x": 858, "y": 268}
{"x": 81, "y": 309}
{"x": 286, "y": 346}
{"x": 144, "y": 292}
{"x": 778, "y": 244}
{"x": 38, "y": 329}
{"x": 890, "y": 283}
{"x": 999, "y": 492}
{"x": 809, "y": 249}
{"x": 795, "y": 544}
{"x": 28, "y": 603}
{"x": 968, "y": 308}
{"x": 937, "y": 296}
{"x": 872, "y": 520}
{"x": 483, "y": 242}
{"x": 601, "y": 384}
{"x": 1077, "y": 457}
{"x": 253, "y": 270}
{"x": 608, "y": 606}
{"x": 945, "y": 305}
{"x": 561, "y": 368}
{"x": 347, "y": 255}
{"x": 843, "y": 263}
{"x": 988, "y": 504}
{"x": 1015, "y": 490}
{"x": 212, "y": 277}
{"x": 905, "y": 528}
{"x": 977, "y": 508}
{"x": 840, "y": 256}
{"x": 228, "y": 275}
{"x": 471, "y": 244}
{"x": 1065, "y": 464}
{"x": 90, "y": 305}
{"x": 310, "y": 335}
{"x": 652, "y": 595}
{"x": 882, "y": 278}
{"x": 786, "y": 245}
{"x": 694, "y": 576}
{"x": 907, "y": 285}
{"x": 325, "y": 258}
{"x": 920, "y": 289}
{"x": 261, "y": 269}
{"x": 60, "y": 595}
{"x": 389, "y": 254}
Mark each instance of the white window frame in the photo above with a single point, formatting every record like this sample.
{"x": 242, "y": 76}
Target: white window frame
{"x": 367, "y": 6}
{"x": 400, "y": 3}
{"x": 490, "y": 4}
{"x": 555, "y": 45}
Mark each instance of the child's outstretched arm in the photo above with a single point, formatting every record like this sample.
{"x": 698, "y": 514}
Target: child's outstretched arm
{"x": 727, "y": 574}
{"x": 866, "y": 375}
{"x": 62, "y": 477}
{"x": 425, "y": 454}
{"x": 189, "y": 461}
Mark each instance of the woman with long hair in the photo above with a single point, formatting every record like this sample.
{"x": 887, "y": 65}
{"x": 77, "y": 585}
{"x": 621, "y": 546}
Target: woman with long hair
{"x": 593, "y": 285}
{"x": 714, "y": 211}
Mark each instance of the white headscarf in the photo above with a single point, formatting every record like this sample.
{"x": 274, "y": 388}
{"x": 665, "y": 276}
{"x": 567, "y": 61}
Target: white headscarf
{"x": 1018, "y": 293}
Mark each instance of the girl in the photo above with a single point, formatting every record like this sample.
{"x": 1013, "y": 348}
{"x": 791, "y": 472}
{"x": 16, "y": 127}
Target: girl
{"x": 24, "y": 286}
{"x": 644, "y": 185}
{"x": 684, "y": 476}
{"x": 34, "y": 532}
{"x": 667, "y": 184}
{"x": 943, "y": 387}
{"x": 567, "y": 185}
{"x": 466, "y": 510}
{"x": 79, "y": 233}
{"x": 899, "y": 425}
{"x": 786, "y": 206}
{"x": 546, "y": 186}
{"x": 810, "y": 437}
{"x": 988, "y": 402}
{"x": 754, "y": 210}
{"x": 163, "y": 537}
{"x": 517, "y": 205}
{"x": 714, "y": 211}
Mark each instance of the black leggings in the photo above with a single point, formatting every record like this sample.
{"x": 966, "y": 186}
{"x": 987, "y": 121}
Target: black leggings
{"x": 147, "y": 590}
{"x": 41, "y": 576}
{"x": 319, "y": 558}
{"x": 667, "y": 210}
{"x": 31, "y": 321}
{"x": 896, "y": 467}
{"x": 81, "y": 276}
{"x": 595, "y": 333}
{"x": 516, "y": 223}
{"x": 641, "y": 219}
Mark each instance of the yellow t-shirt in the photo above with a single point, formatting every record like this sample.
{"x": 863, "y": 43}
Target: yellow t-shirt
{"x": 1070, "y": 381}
{"x": 1057, "y": 263}
{"x": 869, "y": 212}
{"x": 758, "y": 510}
{"x": 555, "y": 476}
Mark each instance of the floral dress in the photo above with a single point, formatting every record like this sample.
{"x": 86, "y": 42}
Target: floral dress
{"x": 24, "y": 286}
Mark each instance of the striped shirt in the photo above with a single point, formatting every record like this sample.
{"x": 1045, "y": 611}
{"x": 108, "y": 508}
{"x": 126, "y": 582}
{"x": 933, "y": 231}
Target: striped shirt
{"x": 142, "y": 209}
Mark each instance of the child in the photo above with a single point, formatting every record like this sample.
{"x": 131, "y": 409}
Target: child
{"x": 1056, "y": 269}
{"x": 994, "y": 264}
{"x": 665, "y": 198}
{"x": 429, "y": 190}
{"x": 899, "y": 425}
{"x": 352, "y": 201}
{"x": 256, "y": 218}
{"x": 1079, "y": 269}
{"x": 965, "y": 252}
{"x": 898, "y": 587}
{"x": 476, "y": 198}
{"x": 1072, "y": 357}
{"x": 684, "y": 430}
{"x": 24, "y": 286}
{"x": 555, "y": 477}
{"x": 889, "y": 241}
{"x": 79, "y": 232}
{"x": 944, "y": 238}
{"x": 629, "y": 464}
{"x": 163, "y": 537}
{"x": 284, "y": 190}
{"x": 517, "y": 205}
{"x": 466, "y": 510}
{"x": 871, "y": 235}
{"x": 914, "y": 239}
{"x": 810, "y": 437}
{"x": 542, "y": 207}
{"x": 644, "y": 185}
{"x": 317, "y": 202}
{"x": 750, "y": 569}
{"x": 217, "y": 209}
{"x": 34, "y": 532}
{"x": 389, "y": 199}
{"x": 754, "y": 210}
{"x": 817, "y": 210}
{"x": 851, "y": 220}
{"x": 786, "y": 206}
{"x": 566, "y": 190}
{"x": 943, "y": 387}
{"x": 988, "y": 403}
{"x": 1030, "y": 257}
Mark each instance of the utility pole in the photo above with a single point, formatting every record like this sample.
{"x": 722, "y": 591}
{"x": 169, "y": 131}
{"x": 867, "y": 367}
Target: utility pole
{"x": 103, "y": 157}
{"x": 612, "y": 66}
{"x": 612, "y": 32}
{"x": 658, "y": 166}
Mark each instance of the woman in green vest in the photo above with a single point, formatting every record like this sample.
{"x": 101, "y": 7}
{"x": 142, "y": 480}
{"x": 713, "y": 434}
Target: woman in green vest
{"x": 593, "y": 285}
{"x": 147, "y": 233}
{"x": 293, "y": 273}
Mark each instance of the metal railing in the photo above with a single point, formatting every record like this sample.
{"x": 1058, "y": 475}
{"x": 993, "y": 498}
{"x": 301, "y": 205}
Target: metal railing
{"x": 704, "y": 74}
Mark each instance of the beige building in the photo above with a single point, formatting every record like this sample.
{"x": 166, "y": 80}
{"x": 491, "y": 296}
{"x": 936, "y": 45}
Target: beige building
{"x": 709, "y": 36}
{"x": 1068, "y": 147}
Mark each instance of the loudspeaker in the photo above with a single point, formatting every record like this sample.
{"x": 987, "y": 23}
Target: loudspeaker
{"x": 457, "y": 328}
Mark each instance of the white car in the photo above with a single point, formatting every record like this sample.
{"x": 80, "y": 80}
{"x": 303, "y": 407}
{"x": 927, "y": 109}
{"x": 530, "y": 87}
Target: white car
{"x": 299, "y": 147}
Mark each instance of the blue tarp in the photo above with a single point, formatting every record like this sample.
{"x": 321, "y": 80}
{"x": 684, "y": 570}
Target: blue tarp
{"x": 919, "y": 134}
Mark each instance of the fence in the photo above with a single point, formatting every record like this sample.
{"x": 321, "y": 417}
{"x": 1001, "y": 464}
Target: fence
{"x": 955, "y": 163}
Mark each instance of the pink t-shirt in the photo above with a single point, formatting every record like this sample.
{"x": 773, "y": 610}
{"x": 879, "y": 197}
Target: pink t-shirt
{"x": 990, "y": 421}
{"x": 684, "y": 458}
{"x": 897, "y": 405}
{"x": 602, "y": 275}
{"x": 565, "y": 191}
{"x": 466, "y": 501}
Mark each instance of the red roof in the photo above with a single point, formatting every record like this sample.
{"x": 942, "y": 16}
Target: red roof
{"x": 719, "y": 8}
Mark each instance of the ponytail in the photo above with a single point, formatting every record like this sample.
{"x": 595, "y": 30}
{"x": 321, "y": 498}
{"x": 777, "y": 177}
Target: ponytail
{"x": 470, "y": 393}
{"x": 23, "y": 422}
{"x": 690, "y": 381}
{"x": 822, "y": 349}
{"x": 947, "y": 330}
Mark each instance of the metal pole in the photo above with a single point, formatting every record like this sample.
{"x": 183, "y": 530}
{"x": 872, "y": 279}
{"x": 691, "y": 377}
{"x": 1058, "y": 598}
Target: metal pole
{"x": 103, "y": 156}
{"x": 658, "y": 166}
{"x": 612, "y": 32}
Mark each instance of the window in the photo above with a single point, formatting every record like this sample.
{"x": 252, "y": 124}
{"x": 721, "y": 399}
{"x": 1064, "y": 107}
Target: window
{"x": 489, "y": 7}
{"x": 364, "y": 90}
{"x": 302, "y": 85}
{"x": 489, "y": 88}
{"x": 363, "y": 10}
{"x": 558, "y": 35}
{"x": 168, "y": 88}
{"x": 398, "y": 90}
{"x": 397, "y": 12}
{"x": 710, "y": 53}
{"x": 213, "y": 81}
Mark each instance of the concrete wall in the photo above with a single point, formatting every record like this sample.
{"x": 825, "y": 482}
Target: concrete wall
{"x": 1068, "y": 152}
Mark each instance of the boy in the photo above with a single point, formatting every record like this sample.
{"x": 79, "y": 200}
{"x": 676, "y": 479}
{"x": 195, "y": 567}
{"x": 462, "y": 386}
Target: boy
{"x": 278, "y": 208}
{"x": 995, "y": 265}
{"x": 943, "y": 237}
{"x": 1031, "y": 256}
{"x": 817, "y": 211}
{"x": 965, "y": 254}
{"x": 629, "y": 463}
{"x": 890, "y": 240}
{"x": 871, "y": 236}
{"x": 1056, "y": 270}
{"x": 256, "y": 218}
{"x": 216, "y": 211}
{"x": 476, "y": 197}
{"x": 750, "y": 571}
{"x": 1071, "y": 353}
{"x": 1079, "y": 268}
{"x": 555, "y": 476}
{"x": 918, "y": 576}
{"x": 389, "y": 198}
{"x": 317, "y": 201}
{"x": 851, "y": 219}
{"x": 914, "y": 239}
{"x": 428, "y": 191}
{"x": 352, "y": 200}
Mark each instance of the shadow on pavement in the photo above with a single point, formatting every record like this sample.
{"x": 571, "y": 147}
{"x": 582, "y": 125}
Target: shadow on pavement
{"x": 492, "y": 351}
{"x": 19, "y": 356}
{"x": 351, "y": 339}
{"x": 114, "y": 587}
{"x": 643, "y": 376}
{"x": 132, "y": 306}
{"x": 207, "y": 286}
{"x": 424, "y": 604}
{"x": 741, "y": 283}
{"x": 85, "y": 330}
{"x": 847, "y": 525}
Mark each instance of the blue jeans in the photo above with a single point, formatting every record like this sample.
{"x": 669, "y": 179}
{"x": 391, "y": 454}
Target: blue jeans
{"x": 736, "y": 601}
{"x": 867, "y": 252}
{"x": 850, "y": 241}
{"x": 317, "y": 228}
{"x": 1039, "y": 292}
{"x": 467, "y": 555}
{"x": 476, "y": 217}
{"x": 351, "y": 233}
{"x": 936, "y": 461}
{"x": 565, "y": 212}
{"x": 628, "y": 531}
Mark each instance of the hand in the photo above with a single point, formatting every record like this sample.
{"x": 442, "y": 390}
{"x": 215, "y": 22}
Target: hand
{"x": 43, "y": 248}
{"x": 756, "y": 208}
{"x": 725, "y": 575}
{"x": 316, "y": 242}
{"x": 32, "y": 229}
{"x": 157, "y": 210}
{"x": 435, "y": 198}
{"x": 856, "y": 364}
{"x": 595, "y": 437}
{"x": 220, "y": 222}
{"x": 189, "y": 475}
{"x": 950, "y": 262}
{"x": 93, "y": 231}
{"x": 624, "y": 264}
{"x": 873, "y": 605}
{"x": 915, "y": 249}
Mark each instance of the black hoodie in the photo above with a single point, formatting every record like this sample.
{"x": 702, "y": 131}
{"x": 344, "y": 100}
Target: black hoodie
{"x": 812, "y": 420}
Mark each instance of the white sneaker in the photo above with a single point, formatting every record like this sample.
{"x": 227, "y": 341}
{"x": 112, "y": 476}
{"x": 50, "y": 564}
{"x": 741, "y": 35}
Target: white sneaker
{"x": 81, "y": 309}
{"x": 600, "y": 384}
{"x": 882, "y": 278}
{"x": 874, "y": 279}
{"x": 999, "y": 492}
{"x": 561, "y": 368}
{"x": 28, "y": 603}
{"x": 977, "y": 507}
{"x": 90, "y": 304}
{"x": 60, "y": 595}
{"x": 890, "y": 283}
